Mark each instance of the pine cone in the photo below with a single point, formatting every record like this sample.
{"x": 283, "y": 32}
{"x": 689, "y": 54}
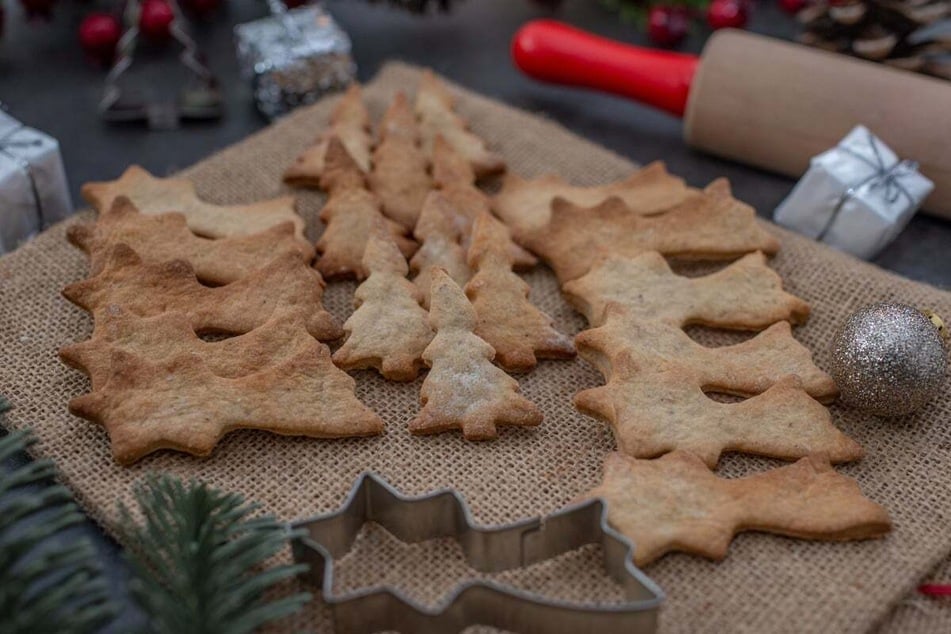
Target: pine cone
{"x": 910, "y": 34}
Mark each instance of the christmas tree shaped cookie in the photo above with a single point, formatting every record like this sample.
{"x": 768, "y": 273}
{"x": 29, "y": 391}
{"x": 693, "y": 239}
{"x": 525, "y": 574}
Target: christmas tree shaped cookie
{"x": 400, "y": 176}
{"x": 162, "y": 337}
{"x": 180, "y": 404}
{"x": 351, "y": 214}
{"x": 746, "y": 295}
{"x": 708, "y": 225}
{"x": 463, "y": 389}
{"x": 743, "y": 369}
{"x": 152, "y": 195}
{"x": 439, "y": 230}
{"x": 455, "y": 179}
{"x": 163, "y": 237}
{"x": 283, "y": 285}
{"x": 389, "y": 329}
{"x": 506, "y": 319}
{"x": 656, "y": 406}
{"x": 675, "y": 503}
{"x": 526, "y": 203}
{"x": 437, "y": 117}
{"x": 349, "y": 122}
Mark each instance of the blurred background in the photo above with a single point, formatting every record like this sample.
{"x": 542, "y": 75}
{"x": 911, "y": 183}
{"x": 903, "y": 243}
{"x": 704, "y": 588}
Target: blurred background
{"x": 56, "y": 55}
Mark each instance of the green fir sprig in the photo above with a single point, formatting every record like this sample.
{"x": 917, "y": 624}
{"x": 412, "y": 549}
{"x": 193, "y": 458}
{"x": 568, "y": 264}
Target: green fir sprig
{"x": 198, "y": 556}
{"x": 48, "y": 583}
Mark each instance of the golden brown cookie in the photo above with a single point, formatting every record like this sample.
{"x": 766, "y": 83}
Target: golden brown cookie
{"x": 439, "y": 230}
{"x": 180, "y": 404}
{"x": 708, "y": 225}
{"x": 152, "y": 195}
{"x": 657, "y": 406}
{"x": 389, "y": 329}
{"x": 463, "y": 389}
{"x": 675, "y": 503}
{"x": 456, "y": 182}
{"x": 449, "y": 167}
{"x": 349, "y": 122}
{"x": 506, "y": 319}
{"x": 283, "y": 285}
{"x": 162, "y": 237}
{"x": 743, "y": 369}
{"x": 162, "y": 337}
{"x": 351, "y": 214}
{"x": 437, "y": 116}
{"x": 526, "y": 203}
{"x": 400, "y": 176}
{"x": 745, "y": 295}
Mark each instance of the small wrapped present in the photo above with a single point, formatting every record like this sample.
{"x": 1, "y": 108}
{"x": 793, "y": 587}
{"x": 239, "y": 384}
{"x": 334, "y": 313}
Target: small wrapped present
{"x": 33, "y": 188}
{"x": 293, "y": 57}
{"x": 856, "y": 197}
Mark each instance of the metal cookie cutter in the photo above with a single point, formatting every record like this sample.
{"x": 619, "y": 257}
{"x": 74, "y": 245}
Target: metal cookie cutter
{"x": 444, "y": 513}
{"x": 199, "y": 98}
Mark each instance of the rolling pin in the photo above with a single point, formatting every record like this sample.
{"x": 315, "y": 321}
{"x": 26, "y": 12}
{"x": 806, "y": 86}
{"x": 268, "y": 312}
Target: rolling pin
{"x": 757, "y": 100}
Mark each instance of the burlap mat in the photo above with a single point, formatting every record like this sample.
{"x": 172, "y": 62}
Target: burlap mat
{"x": 767, "y": 584}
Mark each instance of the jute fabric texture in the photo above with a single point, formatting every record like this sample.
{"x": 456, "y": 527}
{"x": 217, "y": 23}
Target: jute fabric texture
{"x": 766, "y": 584}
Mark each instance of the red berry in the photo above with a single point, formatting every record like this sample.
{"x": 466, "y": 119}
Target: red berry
{"x": 99, "y": 34}
{"x": 666, "y": 26}
{"x": 722, "y": 14}
{"x": 155, "y": 19}
{"x": 793, "y": 6}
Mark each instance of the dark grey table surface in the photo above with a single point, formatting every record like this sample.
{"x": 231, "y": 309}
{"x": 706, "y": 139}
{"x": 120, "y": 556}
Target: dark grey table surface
{"x": 46, "y": 83}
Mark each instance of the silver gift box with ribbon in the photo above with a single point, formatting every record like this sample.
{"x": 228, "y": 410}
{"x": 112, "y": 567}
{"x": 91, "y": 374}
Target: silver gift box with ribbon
{"x": 293, "y": 57}
{"x": 856, "y": 197}
{"x": 33, "y": 188}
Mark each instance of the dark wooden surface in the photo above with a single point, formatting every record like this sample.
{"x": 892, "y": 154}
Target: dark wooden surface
{"x": 46, "y": 83}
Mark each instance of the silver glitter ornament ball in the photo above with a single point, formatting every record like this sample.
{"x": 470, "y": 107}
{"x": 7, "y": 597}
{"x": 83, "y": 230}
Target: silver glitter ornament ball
{"x": 888, "y": 359}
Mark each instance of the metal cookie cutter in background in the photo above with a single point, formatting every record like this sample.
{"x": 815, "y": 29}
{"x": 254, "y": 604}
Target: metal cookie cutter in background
{"x": 443, "y": 513}
{"x": 198, "y": 98}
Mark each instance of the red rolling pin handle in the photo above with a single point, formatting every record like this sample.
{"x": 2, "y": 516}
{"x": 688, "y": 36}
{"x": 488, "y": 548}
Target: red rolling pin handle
{"x": 555, "y": 52}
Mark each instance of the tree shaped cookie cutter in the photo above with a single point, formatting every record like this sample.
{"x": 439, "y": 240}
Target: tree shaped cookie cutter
{"x": 444, "y": 513}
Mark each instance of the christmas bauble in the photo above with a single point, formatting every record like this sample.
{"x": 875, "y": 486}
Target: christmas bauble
{"x": 666, "y": 26}
{"x": 889, "y": 359}
{"x": 155, "y": 19}
{"x": 99, "y": 34}
{"x": 722, "y": 14}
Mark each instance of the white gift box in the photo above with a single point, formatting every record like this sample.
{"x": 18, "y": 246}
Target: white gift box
{"x": 856, "y": 197}
{"x": 33, "y": 188}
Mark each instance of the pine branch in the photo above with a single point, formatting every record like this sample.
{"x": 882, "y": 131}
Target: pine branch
{"x": 198, "y": 559}
{"x": 46, "y": 584}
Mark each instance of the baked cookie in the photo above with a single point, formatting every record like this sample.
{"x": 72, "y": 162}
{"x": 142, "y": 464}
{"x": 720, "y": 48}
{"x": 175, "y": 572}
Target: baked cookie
{"x": 463, "y": 389}
{"x": 675, "y": 503}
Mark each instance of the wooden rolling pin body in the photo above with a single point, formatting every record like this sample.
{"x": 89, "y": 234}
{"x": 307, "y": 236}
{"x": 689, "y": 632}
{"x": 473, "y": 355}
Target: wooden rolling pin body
{"x": 758, "y": 100}
{"x": 775, "y": 105}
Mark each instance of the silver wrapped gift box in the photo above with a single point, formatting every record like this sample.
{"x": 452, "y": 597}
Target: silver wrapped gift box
{"x": 293, "y": 57}
{"x": 33, "y": 189}
{"x": 856, "y": 197}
